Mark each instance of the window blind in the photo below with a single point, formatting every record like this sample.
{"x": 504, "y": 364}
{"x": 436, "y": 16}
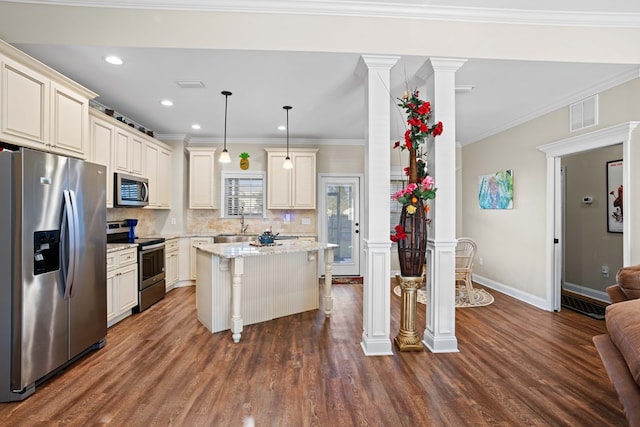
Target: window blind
{"x": 243, "y": 195}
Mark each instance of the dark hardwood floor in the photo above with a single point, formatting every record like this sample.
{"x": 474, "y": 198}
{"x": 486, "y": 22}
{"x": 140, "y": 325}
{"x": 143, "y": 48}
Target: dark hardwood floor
{"x": 517, "y": 366}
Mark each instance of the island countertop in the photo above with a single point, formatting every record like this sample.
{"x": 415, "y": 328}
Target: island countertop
{"x": 245, "y": 249}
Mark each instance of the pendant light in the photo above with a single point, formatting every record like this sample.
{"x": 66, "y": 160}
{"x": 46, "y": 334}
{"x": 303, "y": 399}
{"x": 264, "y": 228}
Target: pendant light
{"x": 288, "y": 164}
{"x": 224, "y": 156}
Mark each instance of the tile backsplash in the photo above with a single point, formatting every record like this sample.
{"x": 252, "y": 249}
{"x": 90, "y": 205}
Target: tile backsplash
{"x": 146, "y": 219}
{"x": 281, "y": 221}
{"x": 209, "y": 221}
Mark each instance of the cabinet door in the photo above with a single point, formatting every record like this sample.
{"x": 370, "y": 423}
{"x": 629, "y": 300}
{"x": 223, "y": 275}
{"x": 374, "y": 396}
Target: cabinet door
{"x": 69, "y": 113}
{"x": 192, "y": 260}
{"x": 136, "y": 149}
{"x": 201, "y": 176}
{"x": 122, "y": 154}
{"x": 304, "y": 181}
{"x": 24, "y": 116}
{"x": 151, "y": 153}
{"x": 102, "y": 137}
{"x": 172, "y": 260}
{"x": 127, "y": 283}
{"x": 111, "y": 312}
{"x": 278, "y": 183}
{"x": 164, "y": 179}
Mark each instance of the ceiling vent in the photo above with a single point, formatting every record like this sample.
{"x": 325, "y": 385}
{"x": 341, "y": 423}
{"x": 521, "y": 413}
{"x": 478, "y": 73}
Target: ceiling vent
{"x": 190, "y": 84}
{"x": 583, "y": 114}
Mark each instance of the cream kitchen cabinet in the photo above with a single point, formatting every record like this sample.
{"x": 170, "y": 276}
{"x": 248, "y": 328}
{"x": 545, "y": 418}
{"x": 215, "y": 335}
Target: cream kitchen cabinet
{"x": 291, "y": 188}
{"x": 202, "y": 194}
{"x": 195, "y": 241}
{"x": 102, "y": 137}
{"x": 124, "y": 149}
{"x": 40, "y": 108}
{"x": 172, "y": 262}
{"x": 128, "y": 152}
{"x": 122, "y": 284}
{"x": 157, "y": 161}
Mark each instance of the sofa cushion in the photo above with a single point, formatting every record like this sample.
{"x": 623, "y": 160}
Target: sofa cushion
{"x": 628, "y": 278}
{"x": 623, "y": 325}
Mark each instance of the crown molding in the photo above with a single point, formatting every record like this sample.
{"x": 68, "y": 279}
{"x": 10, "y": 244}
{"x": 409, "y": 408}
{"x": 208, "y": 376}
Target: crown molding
{"x": 405, "y": 9}
{"x": 585, "y": 93}
{"x": 198, "y": 140}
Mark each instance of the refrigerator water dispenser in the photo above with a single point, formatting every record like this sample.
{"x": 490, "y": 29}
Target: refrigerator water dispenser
{"x": 46, "y": 251}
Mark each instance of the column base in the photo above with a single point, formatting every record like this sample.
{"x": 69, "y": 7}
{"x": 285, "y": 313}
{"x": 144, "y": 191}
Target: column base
{"x": 408, "y": 338}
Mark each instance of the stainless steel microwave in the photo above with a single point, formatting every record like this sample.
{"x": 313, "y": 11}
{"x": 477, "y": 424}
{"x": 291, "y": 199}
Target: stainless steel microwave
{"x": 130, "y": 191}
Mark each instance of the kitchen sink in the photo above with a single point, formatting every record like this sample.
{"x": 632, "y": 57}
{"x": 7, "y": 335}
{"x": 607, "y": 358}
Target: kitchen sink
{"x": 234, "y": 238}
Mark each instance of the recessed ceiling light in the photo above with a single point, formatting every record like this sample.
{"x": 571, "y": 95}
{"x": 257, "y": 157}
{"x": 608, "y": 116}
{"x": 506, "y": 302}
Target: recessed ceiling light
{"x": 282, "y": 127}
{"x": 166, "y": 102}
{"x": 195, "y": 126}
{"x": 114, "y": 60}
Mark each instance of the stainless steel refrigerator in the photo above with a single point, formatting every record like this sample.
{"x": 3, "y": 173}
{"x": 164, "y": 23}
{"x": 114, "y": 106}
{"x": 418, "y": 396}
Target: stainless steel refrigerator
{"x": 53, "y": 305}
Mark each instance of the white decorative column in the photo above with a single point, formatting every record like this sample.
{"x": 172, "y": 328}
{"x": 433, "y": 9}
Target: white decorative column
{"x": 439, "y": 335}
{"x": 376, "y": 319}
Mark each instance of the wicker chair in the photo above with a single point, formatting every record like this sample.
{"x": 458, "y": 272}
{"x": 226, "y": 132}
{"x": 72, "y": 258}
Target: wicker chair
{"x": 465, "y": 252}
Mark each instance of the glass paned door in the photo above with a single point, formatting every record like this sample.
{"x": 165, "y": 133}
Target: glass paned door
{"x": 340, "y": 222}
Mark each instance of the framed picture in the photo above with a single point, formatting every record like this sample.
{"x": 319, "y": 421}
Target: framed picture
{"x": 615, "y": 209}
{"x": 495, "y": 191}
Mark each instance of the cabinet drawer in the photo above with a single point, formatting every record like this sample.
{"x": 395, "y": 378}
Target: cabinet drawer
{"x": 111, "y": 261}
{"x": 126, "y": 257}
{"x": 171, "y": 245}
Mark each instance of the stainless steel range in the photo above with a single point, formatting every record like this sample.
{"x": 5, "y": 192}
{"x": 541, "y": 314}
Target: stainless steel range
{"x": 151, "y": 275}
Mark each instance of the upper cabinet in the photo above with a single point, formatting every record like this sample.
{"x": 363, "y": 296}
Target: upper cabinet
{"x": 102, "y": 137}
{"x": 122, "y": 148}
{"x": 202, "y": 192}
{"x": 40, "y": 108}
{"x": 291, "y": 188}
{"x": 157, "y": 167}
{"x": 128, "y": 151}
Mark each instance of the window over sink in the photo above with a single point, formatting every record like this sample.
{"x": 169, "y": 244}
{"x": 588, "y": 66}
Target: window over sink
{"x": 243, "y": 194}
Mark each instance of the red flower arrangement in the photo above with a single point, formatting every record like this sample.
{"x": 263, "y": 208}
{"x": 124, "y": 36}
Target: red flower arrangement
{"x": 421, "y": 185}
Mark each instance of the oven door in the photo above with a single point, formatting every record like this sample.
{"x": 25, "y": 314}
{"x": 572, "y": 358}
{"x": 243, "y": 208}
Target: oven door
{"x": 151, "y": 265}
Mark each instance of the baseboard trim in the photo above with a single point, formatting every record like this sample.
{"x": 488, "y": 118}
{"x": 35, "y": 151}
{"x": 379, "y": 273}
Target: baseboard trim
{"x": 536, "y": 301}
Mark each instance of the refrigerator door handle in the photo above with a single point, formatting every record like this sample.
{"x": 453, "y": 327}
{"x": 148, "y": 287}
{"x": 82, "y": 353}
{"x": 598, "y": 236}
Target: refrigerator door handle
{"x": 68, "y": 258}
{"x": 75, "y": 246}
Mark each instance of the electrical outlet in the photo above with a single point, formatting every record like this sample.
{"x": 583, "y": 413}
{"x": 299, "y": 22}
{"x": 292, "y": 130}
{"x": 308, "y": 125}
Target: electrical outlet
{"x": 306, "y": 221}
{"x": 480, "y": 261}
{"x": 173, "y": 220}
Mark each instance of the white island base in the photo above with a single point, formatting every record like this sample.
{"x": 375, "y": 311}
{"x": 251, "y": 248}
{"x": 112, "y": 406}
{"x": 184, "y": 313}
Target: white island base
{"x": 238, "y": 284}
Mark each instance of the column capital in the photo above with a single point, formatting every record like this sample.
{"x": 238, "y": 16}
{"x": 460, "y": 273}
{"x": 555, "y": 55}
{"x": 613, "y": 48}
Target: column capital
{"x": 437, "y": 65}
{"x": 379, "y": 62}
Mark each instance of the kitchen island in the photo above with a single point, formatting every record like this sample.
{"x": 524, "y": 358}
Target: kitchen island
{"x": 241, "y": 284}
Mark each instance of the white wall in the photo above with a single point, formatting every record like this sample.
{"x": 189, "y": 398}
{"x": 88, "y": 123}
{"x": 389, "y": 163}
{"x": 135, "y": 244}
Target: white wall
{"x": 511, "y": 242}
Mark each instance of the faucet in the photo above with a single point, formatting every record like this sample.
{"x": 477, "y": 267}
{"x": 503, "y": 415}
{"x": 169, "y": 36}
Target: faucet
{"x": 243, "y": 228}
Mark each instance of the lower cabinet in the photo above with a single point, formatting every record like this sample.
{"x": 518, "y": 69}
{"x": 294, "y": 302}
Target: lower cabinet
{"x": 195, "y": 241}
{"x": 122, "y": 284}
{"x": 172, "y": 262}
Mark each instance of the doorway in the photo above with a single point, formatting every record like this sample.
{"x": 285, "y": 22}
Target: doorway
{"x": 555, "y": 151}
{"x": 339, "y": 221}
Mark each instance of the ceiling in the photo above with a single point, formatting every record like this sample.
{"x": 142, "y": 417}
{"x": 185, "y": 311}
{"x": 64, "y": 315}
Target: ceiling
{"x": 327, "y": 96}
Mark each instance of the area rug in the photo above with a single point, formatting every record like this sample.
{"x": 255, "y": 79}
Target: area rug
{"x": 479, "y": 297}
{"x": 346, "y": 280}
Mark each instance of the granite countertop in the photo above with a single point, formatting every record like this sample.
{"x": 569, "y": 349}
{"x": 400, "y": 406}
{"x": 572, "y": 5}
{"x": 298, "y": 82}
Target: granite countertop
{"x": 113, "y": 247}
{"x": 213, "y": 234}
{"x": 244, "y": 249}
